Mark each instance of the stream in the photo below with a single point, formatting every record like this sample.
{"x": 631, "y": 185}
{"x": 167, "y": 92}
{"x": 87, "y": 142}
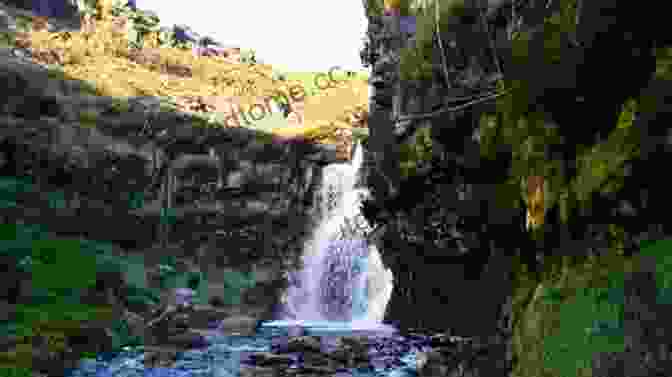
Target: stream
{"x": 229, "y": 355}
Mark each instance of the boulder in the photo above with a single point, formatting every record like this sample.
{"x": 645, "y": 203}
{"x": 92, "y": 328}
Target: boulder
{"x": 269, "y": 359}
{"x": 91, "y": 339}
{"x": 431, "y": 364}
{"x": 159, "y": 358}
{"x": 186, "y": 340}
{"x": 238, "y": 324}
{"x": 303, "y": 344}
{"x": 136, "y": 324}
{"x": 257, "y": 371}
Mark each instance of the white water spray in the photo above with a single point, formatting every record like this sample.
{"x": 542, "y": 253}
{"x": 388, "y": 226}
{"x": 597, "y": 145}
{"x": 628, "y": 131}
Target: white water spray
{"x": 340, "y": 209}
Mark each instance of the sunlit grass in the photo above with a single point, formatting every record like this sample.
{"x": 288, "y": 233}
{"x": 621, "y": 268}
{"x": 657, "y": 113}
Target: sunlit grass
{"x": 101, "y": 56}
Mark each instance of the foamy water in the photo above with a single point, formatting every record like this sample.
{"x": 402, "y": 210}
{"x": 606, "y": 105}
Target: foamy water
{"x": 371, "y": 290}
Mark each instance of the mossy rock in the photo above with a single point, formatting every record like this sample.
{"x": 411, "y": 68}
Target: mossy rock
{"x": 88, "y": 118}
{"x": 573, "y": 313}
{"x": 120, "y": 106}
{"x": 19, "y": 356}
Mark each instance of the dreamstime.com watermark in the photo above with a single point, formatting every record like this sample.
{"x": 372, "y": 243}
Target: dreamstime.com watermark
{"x": 296, "y": 93}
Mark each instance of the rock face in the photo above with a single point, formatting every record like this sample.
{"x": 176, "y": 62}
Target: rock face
{"x": 445, "y": 273}
{"x": 459, "y": 238}
{"x": 233, "y": 175}
{"x": 461, "y": 357}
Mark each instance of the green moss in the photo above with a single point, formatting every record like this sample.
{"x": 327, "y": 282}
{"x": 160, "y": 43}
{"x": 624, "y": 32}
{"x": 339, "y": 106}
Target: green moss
{"x": 661, "y": 253}
{"x": 14, "y": 371}
{"x": 600, "y": 168}
{"x": 56, "y": 323}
{"x": 88, "y": 118}
{"x": 360, "y": 135}
{"x": 573, "y": 309}
{"x": 417, "y": 150}
{"x": 120, "y": 106}
{"x": 664, "y": 63}
{"x": 567, "y": 314}
{"x": 415, "y": 64}
{"x": 507, "y": 195}
{"x": 627, "y": 116}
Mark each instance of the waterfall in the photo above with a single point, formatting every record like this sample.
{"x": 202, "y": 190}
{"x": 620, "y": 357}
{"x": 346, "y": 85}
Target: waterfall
{"x": 343, "y": 277}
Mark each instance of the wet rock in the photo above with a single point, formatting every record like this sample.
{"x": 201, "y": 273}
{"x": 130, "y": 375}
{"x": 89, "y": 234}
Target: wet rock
{"x": 465, "y": 357}
{"x": 303, "y": 344}
{"x": 445, "y": 341}
{"x": 358, "y": 346}
{"x": 238, "y": 324}
{"x": 136, "y": 325}
{"x": 216, "y": 301}
{"x": 314, "y": 359}
{"x": 185, "y": 340}
{"x": 159, "y": 358}
{"x": 431, "y": 364}
{"x": 317, "y": 370}
{"x": 8, "y": 342}
{"x": 270, "y": 359}
{"x": 255, "y": 371}
{"x": 207, "y": 317}
{"x": 91, "y": 339}
{"x": 169, "y": 325}
{"x": 343, "y": 356}
{"x": 50, "y": 359}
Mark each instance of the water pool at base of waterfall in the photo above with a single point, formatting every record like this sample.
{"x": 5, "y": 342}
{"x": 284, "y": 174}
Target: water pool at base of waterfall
{"x": 391, "y": 354}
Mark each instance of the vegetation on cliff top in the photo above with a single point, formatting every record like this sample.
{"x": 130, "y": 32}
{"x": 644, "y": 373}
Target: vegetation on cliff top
{"x": 125, "y": 53}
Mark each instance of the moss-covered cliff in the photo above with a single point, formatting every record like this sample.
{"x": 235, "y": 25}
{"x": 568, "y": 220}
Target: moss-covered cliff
{"x": 591, "y": 137}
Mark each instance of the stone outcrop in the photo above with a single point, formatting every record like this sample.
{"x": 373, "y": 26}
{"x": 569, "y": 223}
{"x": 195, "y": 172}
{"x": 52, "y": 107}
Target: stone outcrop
{"x": 156, "y": 183}
{"x": 454, "y": 356}
{"x": 103, "y": 166}
{"x": 457, "y": 262}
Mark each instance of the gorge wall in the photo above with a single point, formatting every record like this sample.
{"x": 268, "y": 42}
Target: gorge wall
{"x": 438, "y": 242}
{"x": 453, "y": 228}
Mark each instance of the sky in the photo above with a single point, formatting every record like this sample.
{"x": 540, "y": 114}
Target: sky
{"x": 294, "y": 35}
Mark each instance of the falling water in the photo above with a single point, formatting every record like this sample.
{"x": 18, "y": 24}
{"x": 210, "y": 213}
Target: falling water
{"x": 343, "y": 277}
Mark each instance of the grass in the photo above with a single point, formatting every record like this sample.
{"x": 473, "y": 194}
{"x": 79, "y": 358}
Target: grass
{"x": 309, "y": 79}
{"x": 575, "y": 311}
{"x": 102, "y": 57}
{"x": 55, "y": 309}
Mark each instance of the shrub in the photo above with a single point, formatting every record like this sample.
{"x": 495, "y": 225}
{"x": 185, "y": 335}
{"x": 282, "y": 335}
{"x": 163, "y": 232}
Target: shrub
{"x": 279, "y": 76}
{"x": 248, "y": 56}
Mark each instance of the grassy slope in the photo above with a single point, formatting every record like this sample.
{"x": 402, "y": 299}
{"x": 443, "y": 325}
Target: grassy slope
{"x": 102, "y": 58}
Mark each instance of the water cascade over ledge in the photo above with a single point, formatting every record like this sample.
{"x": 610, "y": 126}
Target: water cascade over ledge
{"x": 343, "y": 278}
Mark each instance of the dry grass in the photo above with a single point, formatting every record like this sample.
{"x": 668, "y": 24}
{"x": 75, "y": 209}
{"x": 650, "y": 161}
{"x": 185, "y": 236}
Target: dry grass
{"x": 99, "y": 54}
